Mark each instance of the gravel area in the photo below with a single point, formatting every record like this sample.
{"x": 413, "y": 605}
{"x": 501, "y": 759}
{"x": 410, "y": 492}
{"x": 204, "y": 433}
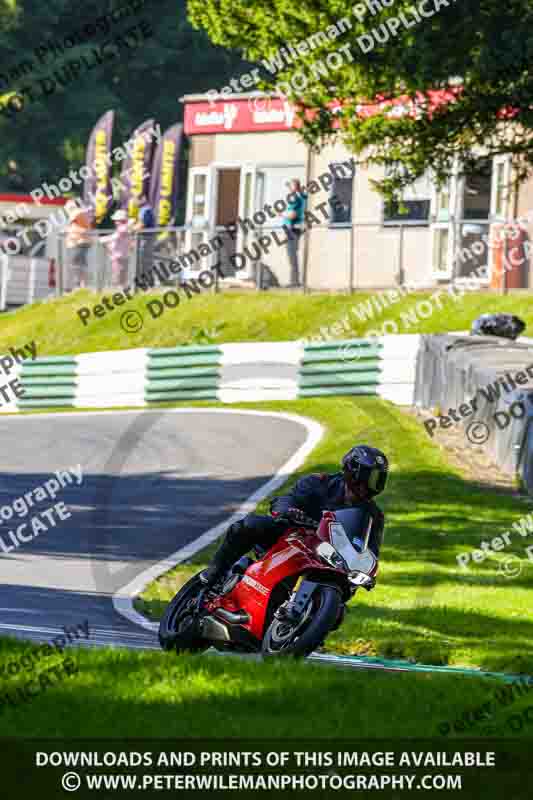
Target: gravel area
{"x": 473, "y": 460}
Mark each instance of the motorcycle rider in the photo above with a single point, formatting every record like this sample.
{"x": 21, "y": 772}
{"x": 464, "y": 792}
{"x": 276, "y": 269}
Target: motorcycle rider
{"x": 364, "y": 475}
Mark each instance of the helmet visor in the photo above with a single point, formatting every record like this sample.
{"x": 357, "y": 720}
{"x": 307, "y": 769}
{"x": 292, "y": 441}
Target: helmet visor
{"x": 372, "y": 477}
{"x": 377, "y": 479}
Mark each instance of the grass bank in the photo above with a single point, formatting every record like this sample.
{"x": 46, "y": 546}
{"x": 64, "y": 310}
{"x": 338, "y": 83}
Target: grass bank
{"x": 424, "y": 607}
{"x": 236, "y": 317}
{"x": 150, "y": 694}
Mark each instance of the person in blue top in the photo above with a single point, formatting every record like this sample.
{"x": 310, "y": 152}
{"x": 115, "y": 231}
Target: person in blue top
{"x": 145, "y": 223}
{"x": 293, "y": 220}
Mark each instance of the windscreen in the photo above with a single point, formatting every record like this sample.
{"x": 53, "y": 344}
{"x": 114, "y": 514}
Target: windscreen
{"x": 354, "y": 521}
{"x": 348, "y": 534}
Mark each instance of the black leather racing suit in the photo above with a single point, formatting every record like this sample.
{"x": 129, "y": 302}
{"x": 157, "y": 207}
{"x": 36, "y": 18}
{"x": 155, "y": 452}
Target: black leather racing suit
{"x": 312, "y": 494}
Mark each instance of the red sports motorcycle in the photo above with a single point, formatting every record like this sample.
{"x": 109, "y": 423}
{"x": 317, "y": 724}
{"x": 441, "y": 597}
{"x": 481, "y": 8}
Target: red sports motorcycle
{"x": 286, "y": 601}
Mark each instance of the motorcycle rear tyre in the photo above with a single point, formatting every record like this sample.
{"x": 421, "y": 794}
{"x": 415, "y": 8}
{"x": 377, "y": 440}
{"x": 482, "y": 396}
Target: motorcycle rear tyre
{"x": 169, "y": 638}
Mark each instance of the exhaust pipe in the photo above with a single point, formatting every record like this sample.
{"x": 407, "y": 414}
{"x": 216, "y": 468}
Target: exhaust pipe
{"x": 212, "y": 628}
{"x": 233, "y": 617}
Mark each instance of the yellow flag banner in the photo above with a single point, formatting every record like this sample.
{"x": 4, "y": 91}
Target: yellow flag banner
{"x": 164, "y": 183}
{"x": 97, "y": 193}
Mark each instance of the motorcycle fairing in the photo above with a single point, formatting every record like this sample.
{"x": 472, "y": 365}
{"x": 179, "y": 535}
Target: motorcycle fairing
{"x": 284, "y": 560}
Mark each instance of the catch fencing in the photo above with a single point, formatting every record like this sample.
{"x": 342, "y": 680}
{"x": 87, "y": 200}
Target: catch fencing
{"x": 342, "y": 257}
{"x": 158, "y": 257}
{"x": 95, "y": 267}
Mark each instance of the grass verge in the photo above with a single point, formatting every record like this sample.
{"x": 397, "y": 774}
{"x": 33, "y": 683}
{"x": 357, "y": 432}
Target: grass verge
{"x": 424, "y": 607}
{"x": 236, "y": 317}
{"x": 128, "y": 694}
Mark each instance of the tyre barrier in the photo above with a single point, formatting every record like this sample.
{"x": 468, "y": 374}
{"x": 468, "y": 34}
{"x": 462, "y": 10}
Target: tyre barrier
{"x": 484, "y": 386}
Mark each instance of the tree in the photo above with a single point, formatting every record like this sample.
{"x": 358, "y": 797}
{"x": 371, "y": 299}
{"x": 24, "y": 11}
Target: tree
{"x": 475, "y": 53}
{"x": 49, "y": 135}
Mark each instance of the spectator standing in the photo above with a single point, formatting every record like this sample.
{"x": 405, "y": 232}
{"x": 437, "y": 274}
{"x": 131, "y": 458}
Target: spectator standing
{"x": 77, "y": 244}
{"x": 293, "y": 222}
{"x": 144, "y": 226}
{"x": 118, "y": 244}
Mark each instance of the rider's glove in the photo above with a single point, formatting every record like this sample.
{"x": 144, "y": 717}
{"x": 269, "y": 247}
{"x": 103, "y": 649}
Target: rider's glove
{"x": 298, "y": 517}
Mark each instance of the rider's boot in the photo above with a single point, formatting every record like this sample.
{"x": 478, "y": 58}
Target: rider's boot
{"x": 235, "y": 545}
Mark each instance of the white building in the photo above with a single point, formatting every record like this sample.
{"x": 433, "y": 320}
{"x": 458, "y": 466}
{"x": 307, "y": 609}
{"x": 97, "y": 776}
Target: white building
{"x": 245, "y": 148}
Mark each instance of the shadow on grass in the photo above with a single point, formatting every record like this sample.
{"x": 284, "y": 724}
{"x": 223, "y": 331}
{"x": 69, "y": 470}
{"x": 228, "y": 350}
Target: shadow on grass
{"x": 159, "y": 695}
{"x": 437, "y": 632}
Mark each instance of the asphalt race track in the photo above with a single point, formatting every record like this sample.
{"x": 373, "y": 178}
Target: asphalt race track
{"x": 152, "y": 482}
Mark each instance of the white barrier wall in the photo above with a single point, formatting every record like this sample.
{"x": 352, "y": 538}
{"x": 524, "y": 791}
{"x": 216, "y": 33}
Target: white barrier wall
{"x": 255, "y": 371}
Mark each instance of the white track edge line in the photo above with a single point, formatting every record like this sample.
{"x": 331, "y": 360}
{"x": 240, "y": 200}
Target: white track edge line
{"x": 123, "y": 598}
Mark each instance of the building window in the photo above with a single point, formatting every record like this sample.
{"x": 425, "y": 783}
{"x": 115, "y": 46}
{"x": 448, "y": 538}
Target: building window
{"x": 271, "y": 187}
{"x": 471, "y": 253}
{"x": 440, "y": 250}
{"x": 199, "y": 199}
{"x": 342, "y": 190}
{"x": 476, "y": 191}
{"x": 415, "y": 211}
{"x": 247, "y": 199}
{"x": 442, "y": 205}
{"x": 414, "y": 205}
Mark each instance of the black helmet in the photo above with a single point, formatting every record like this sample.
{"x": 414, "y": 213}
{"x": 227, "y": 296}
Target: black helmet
{"x": 366, "y": 465}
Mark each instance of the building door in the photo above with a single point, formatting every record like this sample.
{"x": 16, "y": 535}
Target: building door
{"x": 247, "y": 206}
{"x": 462, "y": 212}
{"x": 227, "y": 210}
{"x": 474, "y": 211}
{"x": 443, "y": 203}
{"x": 198, "y": 218}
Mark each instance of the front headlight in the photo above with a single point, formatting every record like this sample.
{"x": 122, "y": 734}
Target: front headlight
{"x": 360, "y": 579}
{"x": 327, "y": 553}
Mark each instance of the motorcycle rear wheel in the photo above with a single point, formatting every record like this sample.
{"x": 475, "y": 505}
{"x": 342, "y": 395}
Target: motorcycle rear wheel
{"x": 177, "y": 625}
{"x": 299, "y": 639}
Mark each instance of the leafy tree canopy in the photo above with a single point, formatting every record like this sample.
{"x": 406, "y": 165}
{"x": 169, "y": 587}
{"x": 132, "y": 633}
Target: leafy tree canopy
{"x": 480, "y": 50}
{"x": 48, "y": 137}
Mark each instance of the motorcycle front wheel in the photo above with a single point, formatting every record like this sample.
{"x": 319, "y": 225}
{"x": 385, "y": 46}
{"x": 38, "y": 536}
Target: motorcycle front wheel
{"x": 298, "y": 639}
{"x": 177, "y": 628}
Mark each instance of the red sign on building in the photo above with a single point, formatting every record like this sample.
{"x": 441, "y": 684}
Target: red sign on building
{"x": 240, "y": 116}
{"x": 276, "y": 114}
